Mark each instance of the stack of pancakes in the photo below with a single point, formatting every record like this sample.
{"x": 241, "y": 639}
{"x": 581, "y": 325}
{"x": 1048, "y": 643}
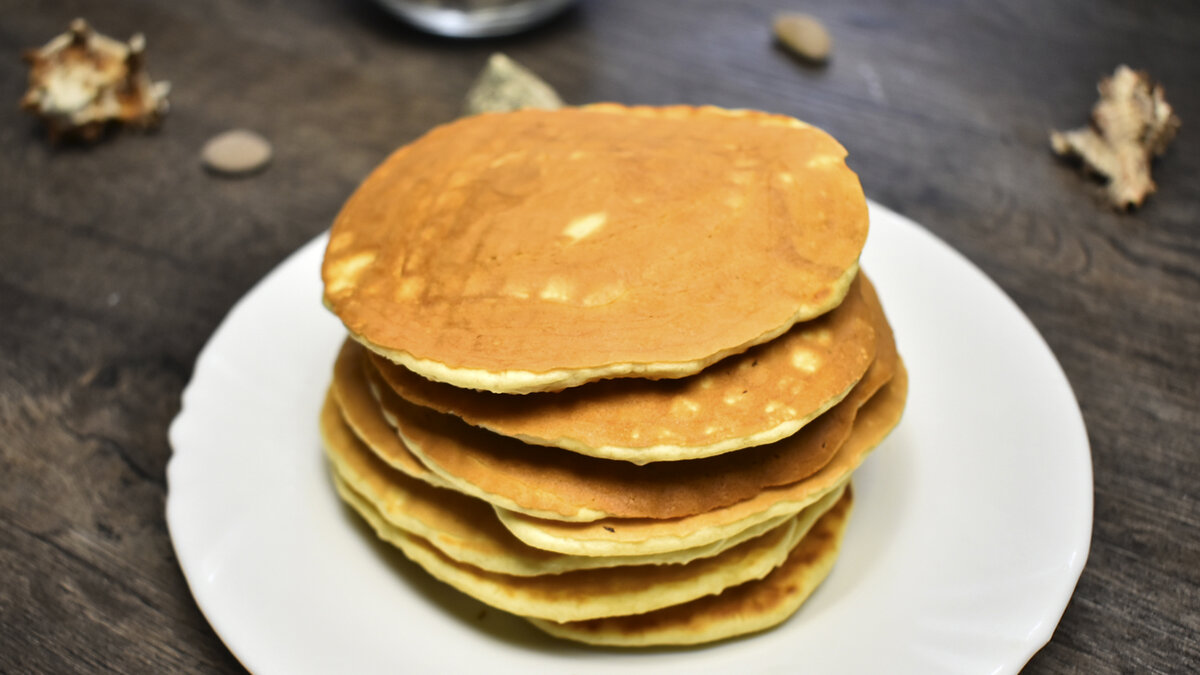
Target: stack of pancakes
{"x": 610, "y": 368}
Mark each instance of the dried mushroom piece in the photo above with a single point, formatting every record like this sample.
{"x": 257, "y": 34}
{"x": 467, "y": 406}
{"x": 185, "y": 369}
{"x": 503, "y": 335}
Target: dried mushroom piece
{"x": 506, "y": 85}
{"x": 1131, "y": 123}
{"x": 81, "y": 81}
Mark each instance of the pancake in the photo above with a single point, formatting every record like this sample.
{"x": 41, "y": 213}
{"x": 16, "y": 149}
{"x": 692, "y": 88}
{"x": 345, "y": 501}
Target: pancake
{"x": 753, "y": 398}
{"x": 553, "y": 484}
{"x": 465, "y": 529}
{"x": 537, "y": 250}
{"x": 358, "y": 409}
{"x": 748, "y": 608}
{"x": 623, "y": 536}
{"x": 594, "y": 593}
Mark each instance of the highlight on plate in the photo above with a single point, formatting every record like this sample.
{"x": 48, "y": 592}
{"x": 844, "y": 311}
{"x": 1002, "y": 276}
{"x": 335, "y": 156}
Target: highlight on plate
{"x": 611, "y": 368}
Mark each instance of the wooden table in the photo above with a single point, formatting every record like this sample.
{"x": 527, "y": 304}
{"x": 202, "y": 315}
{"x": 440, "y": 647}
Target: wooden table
{"x": 118, "y": 261}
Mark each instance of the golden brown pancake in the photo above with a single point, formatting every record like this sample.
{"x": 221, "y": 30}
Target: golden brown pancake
{"x": 750, "y": 607}
{"x": 753, "y": 398}
{"x": 550, "y": 483}
{"x": 594, "y": 593}
{"x": 560, "y": 485}
{"x": 360, "y": 411}
{"x": 625, "y": 536}
{"x": 465, "y": 529}
{"x": 536, "y": 250}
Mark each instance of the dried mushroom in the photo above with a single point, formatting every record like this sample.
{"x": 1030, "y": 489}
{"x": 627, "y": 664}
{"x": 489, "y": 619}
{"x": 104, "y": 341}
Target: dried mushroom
{"x": 506, "y": 85}
{"x": 1131, "y": 123}
{"x": 81, "y": 81}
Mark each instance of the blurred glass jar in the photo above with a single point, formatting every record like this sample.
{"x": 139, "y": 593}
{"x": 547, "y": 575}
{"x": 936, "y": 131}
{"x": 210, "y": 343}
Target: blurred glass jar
{"x": 474, "y": 18}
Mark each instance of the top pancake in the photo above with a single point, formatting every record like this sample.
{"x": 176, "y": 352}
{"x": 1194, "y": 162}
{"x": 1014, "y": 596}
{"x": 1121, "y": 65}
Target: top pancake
{"x": 538, "y": 250}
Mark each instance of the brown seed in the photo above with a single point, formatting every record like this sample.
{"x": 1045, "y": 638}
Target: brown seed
{"x": 236, "y": 152}
{"x": 804, "y": 36}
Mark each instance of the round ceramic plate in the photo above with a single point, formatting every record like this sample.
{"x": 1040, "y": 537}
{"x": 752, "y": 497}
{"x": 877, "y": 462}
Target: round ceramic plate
{"x": 971, "y": 525}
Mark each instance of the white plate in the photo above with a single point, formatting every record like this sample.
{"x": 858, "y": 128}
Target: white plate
{"x": 971, "y": 526}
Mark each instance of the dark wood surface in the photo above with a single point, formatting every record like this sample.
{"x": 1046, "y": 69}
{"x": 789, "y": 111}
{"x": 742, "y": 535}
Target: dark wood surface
{"x": 118, "y": 261}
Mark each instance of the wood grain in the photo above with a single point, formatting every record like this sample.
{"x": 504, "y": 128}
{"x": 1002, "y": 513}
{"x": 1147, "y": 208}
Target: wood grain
{"x": 118, "y": 261}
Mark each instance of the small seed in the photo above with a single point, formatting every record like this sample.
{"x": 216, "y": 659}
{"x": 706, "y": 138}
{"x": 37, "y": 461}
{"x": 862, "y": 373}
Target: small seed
{"x": 804, "y": 36}
{"x": 236, "y": 152}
